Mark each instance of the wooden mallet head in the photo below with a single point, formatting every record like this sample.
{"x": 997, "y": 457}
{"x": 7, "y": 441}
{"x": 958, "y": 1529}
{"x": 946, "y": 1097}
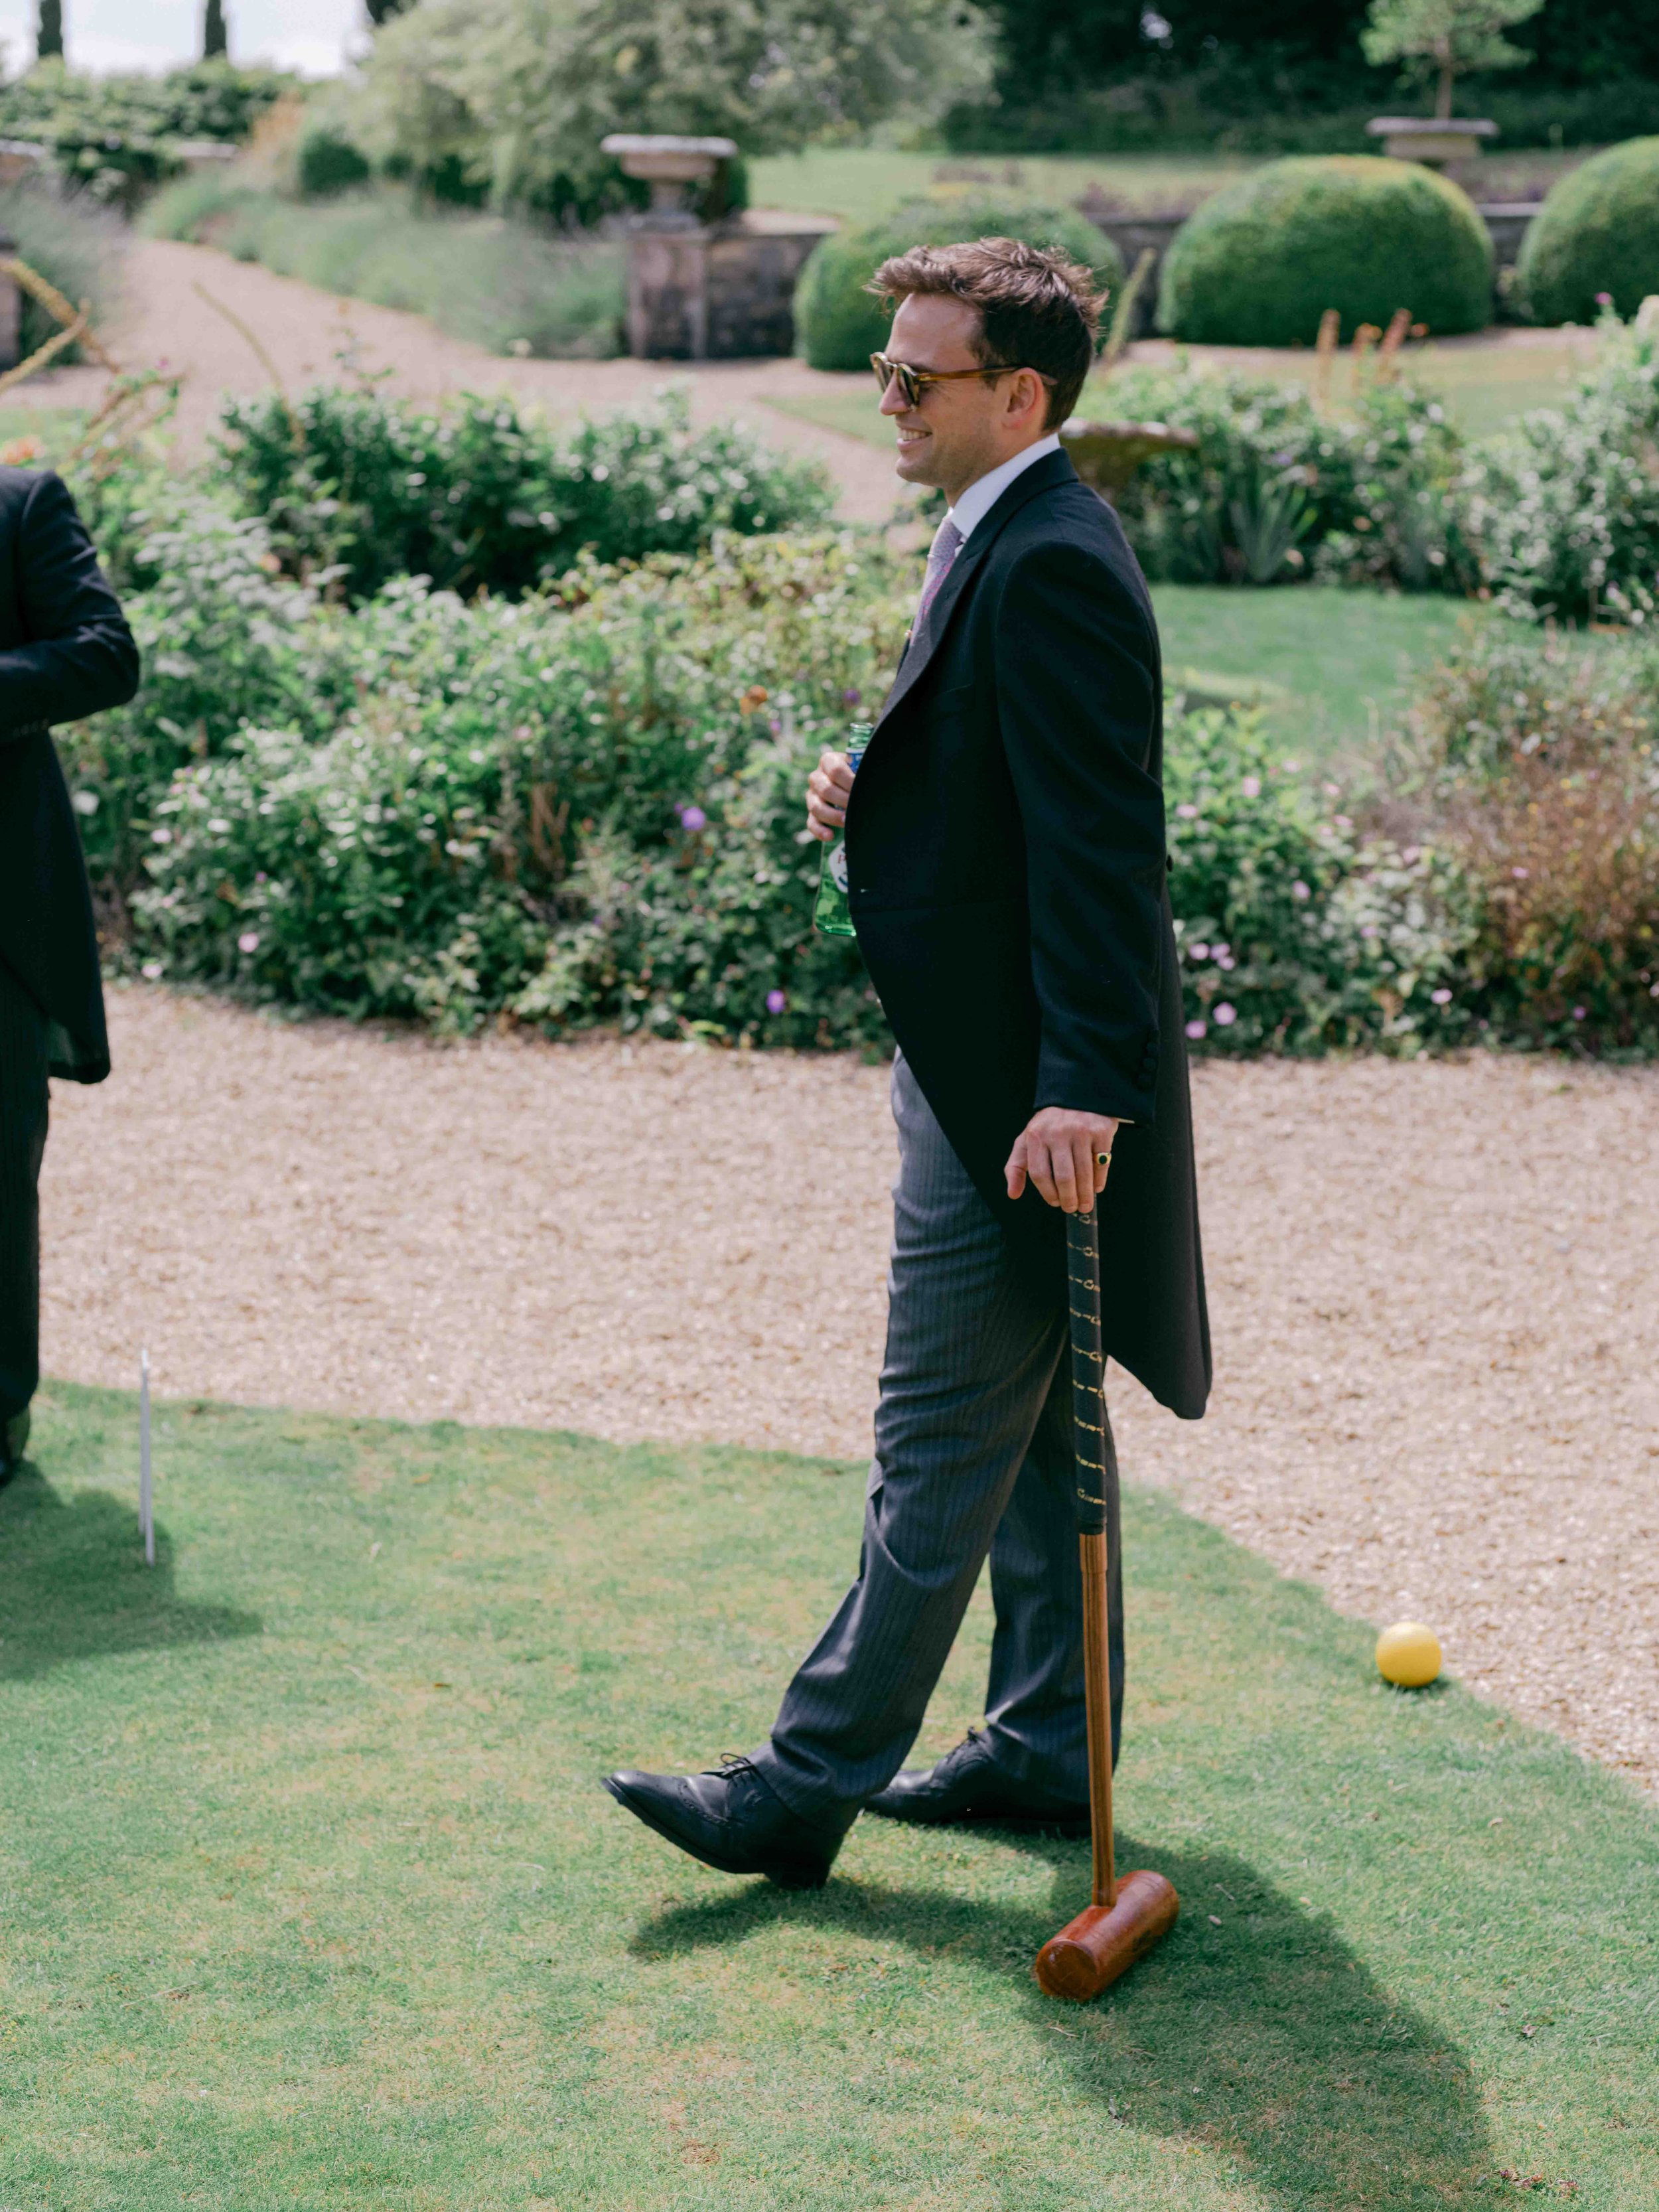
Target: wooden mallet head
{"x": 1126, "y": 1918}
{"x": 1104, "y": 1941}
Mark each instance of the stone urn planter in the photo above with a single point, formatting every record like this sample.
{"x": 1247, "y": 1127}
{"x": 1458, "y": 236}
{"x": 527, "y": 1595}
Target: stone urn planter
{"x": 1107, "y": 454}
{"x": 705, "y": 291}
{"x": 1438, "y": 143}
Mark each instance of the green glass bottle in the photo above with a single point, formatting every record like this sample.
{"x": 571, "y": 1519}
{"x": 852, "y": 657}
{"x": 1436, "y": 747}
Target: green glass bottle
{"x": 832, "y": 916}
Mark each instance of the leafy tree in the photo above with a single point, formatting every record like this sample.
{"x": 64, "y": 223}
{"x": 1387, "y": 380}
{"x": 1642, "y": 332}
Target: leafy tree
{"x": 215, "y": 42}
{"x": 49, "y": 34}
{"x": 520, "y": 92}
{"x": 1446, "y": 38}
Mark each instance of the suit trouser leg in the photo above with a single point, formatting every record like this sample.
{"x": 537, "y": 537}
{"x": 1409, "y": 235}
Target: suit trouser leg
{"x": 23, "y": 1107}
{"x": 974, "y": 1357}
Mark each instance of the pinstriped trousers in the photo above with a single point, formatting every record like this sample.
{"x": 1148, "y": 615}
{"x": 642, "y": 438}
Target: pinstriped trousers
{"x": 973, "y": 1454}
{"x": 22, "y": 1146}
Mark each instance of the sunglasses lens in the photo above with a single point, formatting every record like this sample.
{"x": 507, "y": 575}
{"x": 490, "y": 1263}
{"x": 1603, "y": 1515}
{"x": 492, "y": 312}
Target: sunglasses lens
{"x": 886, "y": 370}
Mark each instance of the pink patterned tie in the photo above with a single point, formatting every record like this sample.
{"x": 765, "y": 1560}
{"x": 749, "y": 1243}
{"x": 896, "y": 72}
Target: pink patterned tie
{"x": 948, "y": 542}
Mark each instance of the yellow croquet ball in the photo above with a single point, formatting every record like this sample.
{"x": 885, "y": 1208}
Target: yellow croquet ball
{"x": 1408, "y": 1655}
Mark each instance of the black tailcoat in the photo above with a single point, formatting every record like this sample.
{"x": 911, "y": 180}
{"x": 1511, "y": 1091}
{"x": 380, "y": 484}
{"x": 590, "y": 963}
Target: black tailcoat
{"x": 65, "y": 652}
{"x": 1008, "y": 875}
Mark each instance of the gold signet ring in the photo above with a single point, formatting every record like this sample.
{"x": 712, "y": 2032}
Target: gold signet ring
{"x": 1101, "y": 1159}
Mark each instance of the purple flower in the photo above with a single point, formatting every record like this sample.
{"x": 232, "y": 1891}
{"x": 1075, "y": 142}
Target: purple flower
{"x": 1578, "y": 1013}
{"x": 776, "y": 1001}
{"x": 693, "y": 818}
{"x": 1196, "y": 1030}
{"x": 1200, "y": 951}
{"x": 1187, "y": 813}
{"x": 1604, "y": 299}
{"x": 1440, "y": 998}
{"x": 1299, "y": 890}
{"x": 851, "y": 697}
{"x": 1251, "y": 787}
{"x": 1225, "y": 1015}
{"x": 248, "y": 941}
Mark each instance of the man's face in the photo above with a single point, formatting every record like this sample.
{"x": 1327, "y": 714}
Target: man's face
{"x": 957, "y": 432}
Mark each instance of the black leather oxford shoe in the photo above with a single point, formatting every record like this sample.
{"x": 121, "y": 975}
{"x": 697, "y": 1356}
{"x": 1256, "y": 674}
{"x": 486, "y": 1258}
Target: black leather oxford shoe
{"x": 729, "y": 1819}
{"x": 968, "y": 1787}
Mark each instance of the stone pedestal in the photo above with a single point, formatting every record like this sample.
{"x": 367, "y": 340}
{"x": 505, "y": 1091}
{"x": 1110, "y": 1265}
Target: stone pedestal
{"x": 1131, "y": 234}
{"x": 716, "y": 292}
{"x": 705, "y": 291}
{"x": 19, "y": 159}
{"x": 1436, "y": 142}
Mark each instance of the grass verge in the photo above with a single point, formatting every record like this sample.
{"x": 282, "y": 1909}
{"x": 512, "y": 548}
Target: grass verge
{"x": 310, "y": 1898}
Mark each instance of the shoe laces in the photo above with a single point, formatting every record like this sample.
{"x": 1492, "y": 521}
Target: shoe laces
{"x": 732, "y": 1763}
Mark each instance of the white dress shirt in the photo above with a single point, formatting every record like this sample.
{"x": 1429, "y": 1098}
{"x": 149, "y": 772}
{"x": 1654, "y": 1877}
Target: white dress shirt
{"x": 982, "y": 495}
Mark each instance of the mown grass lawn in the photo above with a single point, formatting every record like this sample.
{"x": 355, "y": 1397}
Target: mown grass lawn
{"x": 311, "y": 1899}
{"x": 861, "y": 182}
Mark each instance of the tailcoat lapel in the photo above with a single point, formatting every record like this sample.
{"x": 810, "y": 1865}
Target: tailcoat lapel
{"x": 1046, "y": 475}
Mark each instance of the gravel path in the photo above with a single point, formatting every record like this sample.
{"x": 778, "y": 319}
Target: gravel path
{"x": 1433, "y": 1289}
{"x": 304, "y": 331}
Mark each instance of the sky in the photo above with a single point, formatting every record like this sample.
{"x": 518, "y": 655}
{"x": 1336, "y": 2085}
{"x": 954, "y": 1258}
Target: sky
{"x": 312, "y": 35}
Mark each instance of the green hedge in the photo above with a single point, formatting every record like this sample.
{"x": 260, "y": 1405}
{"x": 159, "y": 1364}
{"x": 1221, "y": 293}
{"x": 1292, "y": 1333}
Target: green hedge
{"x": 839, "y": 325}
{"x": 476, "y": 495}
{"x": 1260, "y": 262}
{"x": 1596, "y": 238}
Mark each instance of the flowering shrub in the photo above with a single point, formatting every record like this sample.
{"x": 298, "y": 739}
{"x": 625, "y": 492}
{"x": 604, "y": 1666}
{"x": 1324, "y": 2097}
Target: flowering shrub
{"x": 1276, "y": 490}
{"x": 1563, "y": 508}
{"x": 357, "y": 487}
{"x": 585, "y": 804}
{"x": 442, "y": 827}
{"x": 1540, "y": 756}
{"x": 1295, "y": 934}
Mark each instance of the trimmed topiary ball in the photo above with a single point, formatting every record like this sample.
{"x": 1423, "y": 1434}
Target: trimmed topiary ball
{"x": 1260, "y": 263}
{"x": 1597, "y": 232}
{"x": 840, "y": 325}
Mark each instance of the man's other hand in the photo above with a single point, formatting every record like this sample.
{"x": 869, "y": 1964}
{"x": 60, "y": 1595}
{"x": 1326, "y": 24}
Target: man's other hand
{"x": 1058, "y": 1150}
{"x": 827, "y": 790}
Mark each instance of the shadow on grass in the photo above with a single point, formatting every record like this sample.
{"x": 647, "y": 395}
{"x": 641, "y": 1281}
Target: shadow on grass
{"x": 74, "y": 1585}
{"x": 1264, "y": 2039}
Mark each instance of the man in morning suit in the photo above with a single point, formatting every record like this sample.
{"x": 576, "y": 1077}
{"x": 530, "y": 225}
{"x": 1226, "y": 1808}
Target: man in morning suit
{"x": 1006, "y": 874}
{"x": 65, "y": 652}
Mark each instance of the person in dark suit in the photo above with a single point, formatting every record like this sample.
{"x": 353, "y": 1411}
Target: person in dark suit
{"x": 65, "y": 652}
{"x": 1005, "y": 841}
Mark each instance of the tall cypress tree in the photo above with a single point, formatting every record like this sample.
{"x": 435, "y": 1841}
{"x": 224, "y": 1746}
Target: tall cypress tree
{"x": 49, "y": 31}
{"x": 215, "y": 42}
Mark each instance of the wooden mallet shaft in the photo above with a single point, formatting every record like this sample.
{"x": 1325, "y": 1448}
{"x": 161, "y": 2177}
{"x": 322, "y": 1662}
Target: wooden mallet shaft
{"x": 1124, "y": 1918}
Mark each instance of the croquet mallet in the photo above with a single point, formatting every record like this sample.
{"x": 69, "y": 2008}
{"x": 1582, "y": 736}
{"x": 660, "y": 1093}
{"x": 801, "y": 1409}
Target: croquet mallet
{"x": 1127, "y": 1917}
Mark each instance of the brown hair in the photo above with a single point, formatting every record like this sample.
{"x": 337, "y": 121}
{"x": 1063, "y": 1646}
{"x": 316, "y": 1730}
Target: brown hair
{"x": 1037, "y": 307}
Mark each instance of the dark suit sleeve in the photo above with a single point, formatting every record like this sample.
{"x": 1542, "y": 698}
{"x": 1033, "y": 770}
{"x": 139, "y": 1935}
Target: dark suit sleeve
{"x": 1076, "y": 696}
{"x": 81, "y": 656}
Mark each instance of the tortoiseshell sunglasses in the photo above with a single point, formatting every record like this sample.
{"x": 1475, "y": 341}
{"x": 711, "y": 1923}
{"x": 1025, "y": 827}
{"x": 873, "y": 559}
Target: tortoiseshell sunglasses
{"x": 912, "y": 382}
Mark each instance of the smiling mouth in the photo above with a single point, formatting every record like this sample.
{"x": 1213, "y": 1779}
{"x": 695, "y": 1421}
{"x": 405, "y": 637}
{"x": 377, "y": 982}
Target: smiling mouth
{"x": 911, "y": 437}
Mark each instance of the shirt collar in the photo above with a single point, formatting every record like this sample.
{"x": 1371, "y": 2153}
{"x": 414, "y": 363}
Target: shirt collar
{"x": 982, "y": 495}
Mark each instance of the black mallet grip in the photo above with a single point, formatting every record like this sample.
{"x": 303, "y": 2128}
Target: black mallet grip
{"x": 1088, "y": 1374}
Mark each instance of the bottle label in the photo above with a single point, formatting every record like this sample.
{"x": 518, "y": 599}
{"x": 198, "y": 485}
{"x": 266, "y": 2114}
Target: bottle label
{"x": 837, "y": 866}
